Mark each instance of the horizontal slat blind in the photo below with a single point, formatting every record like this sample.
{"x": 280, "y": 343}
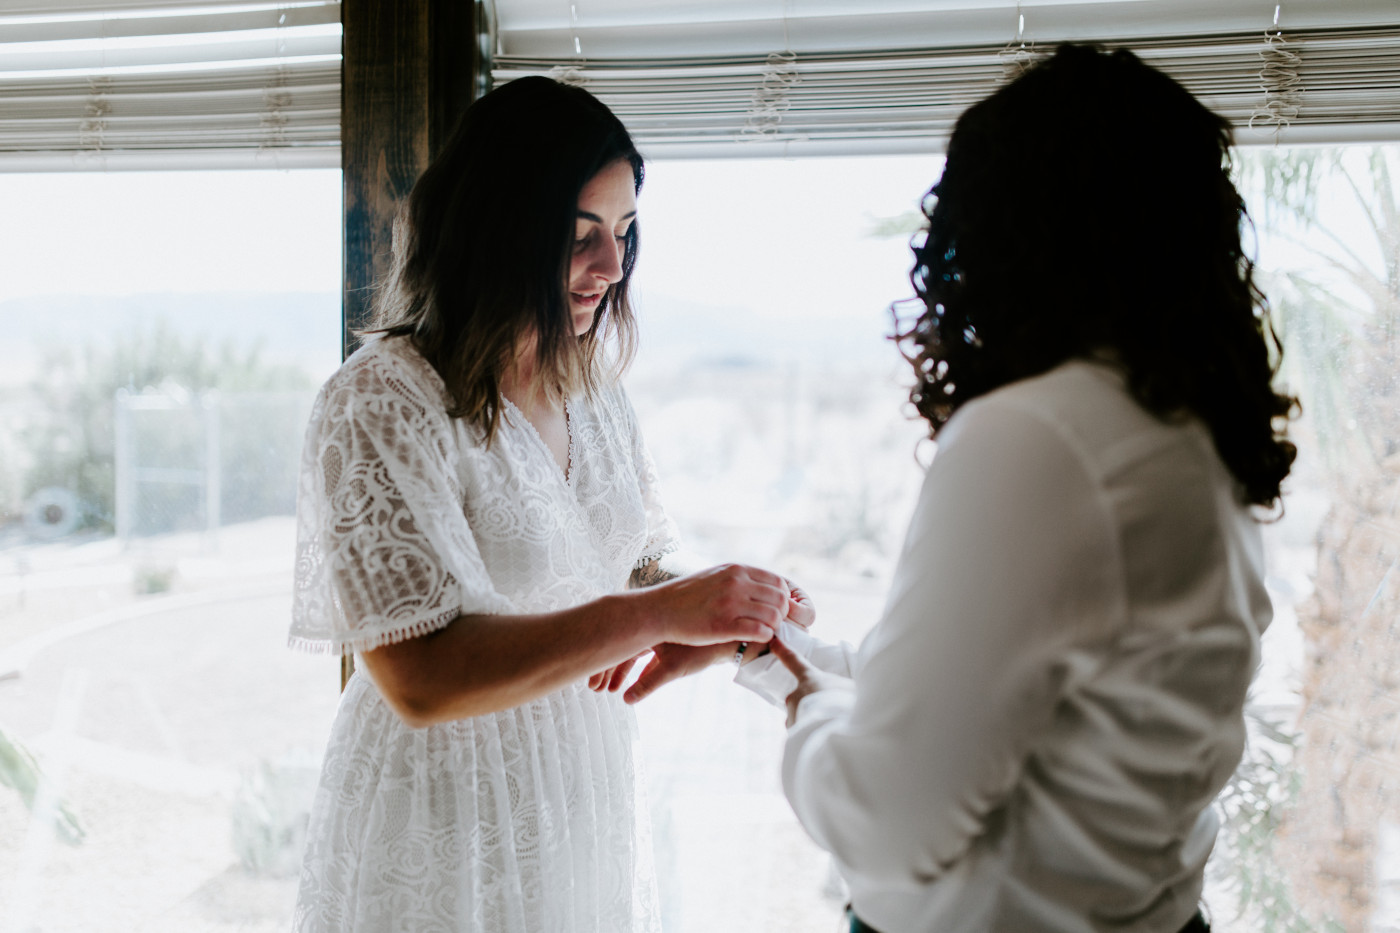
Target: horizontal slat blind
{"x": 169, "y": 84}
{"x": 1323, "y": 86}
{"x": 166, "y": 83}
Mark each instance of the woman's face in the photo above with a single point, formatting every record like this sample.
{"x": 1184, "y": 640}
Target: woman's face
{"x": 607, "y": 207}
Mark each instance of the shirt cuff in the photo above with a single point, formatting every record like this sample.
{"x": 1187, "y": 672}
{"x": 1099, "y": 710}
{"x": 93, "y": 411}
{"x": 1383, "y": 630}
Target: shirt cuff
{"x": 767, "y": 677}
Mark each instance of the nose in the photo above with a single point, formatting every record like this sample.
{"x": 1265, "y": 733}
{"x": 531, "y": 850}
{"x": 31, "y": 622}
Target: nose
{"x": 607, "y": 260}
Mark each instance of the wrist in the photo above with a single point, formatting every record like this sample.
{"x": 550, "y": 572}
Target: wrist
{"x": 640, "y": 617}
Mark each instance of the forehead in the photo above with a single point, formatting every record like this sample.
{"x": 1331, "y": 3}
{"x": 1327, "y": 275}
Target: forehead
{"x": 611, "y": 193}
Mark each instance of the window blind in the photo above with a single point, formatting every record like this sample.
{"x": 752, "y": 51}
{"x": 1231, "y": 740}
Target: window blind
{"x": 168, "y": 84}
{"x": 220, "y": 83}
{"x": 825, "y": 77}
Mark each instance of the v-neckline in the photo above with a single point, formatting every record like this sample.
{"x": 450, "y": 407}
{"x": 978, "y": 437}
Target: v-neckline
{"x": 568, "y": 470}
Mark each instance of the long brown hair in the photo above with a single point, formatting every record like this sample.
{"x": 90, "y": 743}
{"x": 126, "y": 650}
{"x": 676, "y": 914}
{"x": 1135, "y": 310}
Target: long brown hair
{"x": 482, "y": 250}
{"x": 1086, "y": 207}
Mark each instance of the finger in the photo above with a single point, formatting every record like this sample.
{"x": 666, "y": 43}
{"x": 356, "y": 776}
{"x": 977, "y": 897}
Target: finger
{"x": 766, "y": 577}
{"x": 801, "y": 612}
{"x": 790, "y": 659}
{"x": 620, "y": 674}
{"x": 757, "y": 624}
{"x": 643, "y": 679}
{"x": 760, "y": 624}
{"x": 653, "y": 676}
{"x": 776, "y": 596}
{"x": 596, "y": 680}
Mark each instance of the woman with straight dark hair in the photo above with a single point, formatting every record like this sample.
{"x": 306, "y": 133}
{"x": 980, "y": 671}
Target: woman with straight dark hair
{"x": 1035, "y": 731}
{"x": 475, "y": 503}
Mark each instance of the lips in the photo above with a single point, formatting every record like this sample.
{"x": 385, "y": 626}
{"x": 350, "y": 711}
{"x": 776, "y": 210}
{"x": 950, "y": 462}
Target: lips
{"x": 587, "y": 299}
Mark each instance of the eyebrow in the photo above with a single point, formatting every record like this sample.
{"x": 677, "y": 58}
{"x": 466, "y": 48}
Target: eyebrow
{"x": 597, "y": 220}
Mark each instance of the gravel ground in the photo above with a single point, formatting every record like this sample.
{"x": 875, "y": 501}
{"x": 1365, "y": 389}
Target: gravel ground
{"x": 166, "y": 721}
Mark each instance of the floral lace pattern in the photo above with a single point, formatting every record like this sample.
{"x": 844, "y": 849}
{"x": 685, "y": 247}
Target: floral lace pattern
{"x": 515, "y": 822}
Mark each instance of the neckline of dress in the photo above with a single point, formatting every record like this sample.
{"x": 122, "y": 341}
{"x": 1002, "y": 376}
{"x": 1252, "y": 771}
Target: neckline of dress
{"x": 567, "y": 474}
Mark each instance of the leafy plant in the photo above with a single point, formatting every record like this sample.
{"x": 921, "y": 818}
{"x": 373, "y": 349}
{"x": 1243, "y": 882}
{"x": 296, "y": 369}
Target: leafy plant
{"x": 71, "y": 445}
{"x": 20, "y": 770}
{"x": 1254, "y": 806}
{"x": 1338, "y": 309}
{"x": 270, "y": 815}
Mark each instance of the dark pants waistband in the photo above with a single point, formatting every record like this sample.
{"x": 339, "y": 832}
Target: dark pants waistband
{"x": 1197, "y": 924}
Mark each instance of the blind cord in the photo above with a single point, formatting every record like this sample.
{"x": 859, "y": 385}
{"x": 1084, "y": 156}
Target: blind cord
{"x": 1280, "y": 81}
{"x": 1017, "y": 56}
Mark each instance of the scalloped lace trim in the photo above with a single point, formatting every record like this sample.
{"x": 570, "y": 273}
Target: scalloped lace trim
{"x": 369, "y": 642}
{"x": 670, "y": 547}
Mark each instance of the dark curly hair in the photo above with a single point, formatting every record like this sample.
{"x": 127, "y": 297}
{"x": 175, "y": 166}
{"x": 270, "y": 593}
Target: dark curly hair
{"x": 1086, "y": 210}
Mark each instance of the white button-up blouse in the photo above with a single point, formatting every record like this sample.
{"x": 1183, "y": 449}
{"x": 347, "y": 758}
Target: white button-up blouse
{"x": 1039, "y": 723}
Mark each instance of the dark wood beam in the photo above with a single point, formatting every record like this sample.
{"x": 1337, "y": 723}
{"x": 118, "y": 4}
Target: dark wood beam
{"x": 409, "y": 69}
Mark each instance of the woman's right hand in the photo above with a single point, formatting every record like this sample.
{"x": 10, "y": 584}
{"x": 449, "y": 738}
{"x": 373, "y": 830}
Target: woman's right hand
{"x": 731, "y": 602}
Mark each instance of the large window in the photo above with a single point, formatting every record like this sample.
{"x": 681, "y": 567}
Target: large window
{"x": 164, "y": 332}
{"x": 158, "y": 742}
{"x": 776, "y": 412}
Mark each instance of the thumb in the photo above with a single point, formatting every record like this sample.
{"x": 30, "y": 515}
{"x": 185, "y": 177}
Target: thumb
{"x": 654, "y": 675}
{"x": 789, "y": 658}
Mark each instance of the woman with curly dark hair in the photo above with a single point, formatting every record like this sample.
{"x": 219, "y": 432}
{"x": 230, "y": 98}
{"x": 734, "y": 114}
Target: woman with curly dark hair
{"x": 1036, "y": 729}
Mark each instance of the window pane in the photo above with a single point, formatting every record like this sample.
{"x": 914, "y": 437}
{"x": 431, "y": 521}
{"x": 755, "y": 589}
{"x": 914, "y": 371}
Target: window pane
{"x": 1310, "y": 842}
{"x": 176, "y": 325}
{"x": 776, "y": 411}
{"x": 158, "y": 742}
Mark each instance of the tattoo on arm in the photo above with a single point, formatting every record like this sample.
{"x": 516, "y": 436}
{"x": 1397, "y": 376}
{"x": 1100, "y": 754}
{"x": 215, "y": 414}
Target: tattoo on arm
{"x": 650, "y": 574}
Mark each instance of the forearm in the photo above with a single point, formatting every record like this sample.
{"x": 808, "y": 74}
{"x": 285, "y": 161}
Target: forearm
{"x": 484, "y": 663}
{"x": 848, "y": 801}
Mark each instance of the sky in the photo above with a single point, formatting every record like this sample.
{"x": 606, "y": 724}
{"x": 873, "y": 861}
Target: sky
{"x": 122, "y": 233}
{"x": 789, "y": 237}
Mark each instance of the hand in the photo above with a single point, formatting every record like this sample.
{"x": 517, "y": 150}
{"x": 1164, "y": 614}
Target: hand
{"x": 671, "y": 662}
{"x": 612, "y": 679}
{"x": 800, "y": 612}
{"x": 810, "y": 678}
{"x": 723, "y": 604}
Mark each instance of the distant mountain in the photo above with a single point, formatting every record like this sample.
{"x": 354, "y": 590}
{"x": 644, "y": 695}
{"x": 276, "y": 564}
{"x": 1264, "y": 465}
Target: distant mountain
{"x": 293, "y": 327}
{"x": 675, "y": 330}
{"x": 304, "y": 329}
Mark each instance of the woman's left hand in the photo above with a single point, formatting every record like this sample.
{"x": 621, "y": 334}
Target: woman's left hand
{"x": 810, "y": 678}
{"x": 671, "y": 662}
{"x": 613, "y": 678}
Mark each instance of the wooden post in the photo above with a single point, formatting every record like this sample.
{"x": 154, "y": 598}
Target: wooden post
{"x": 409, "y": 69}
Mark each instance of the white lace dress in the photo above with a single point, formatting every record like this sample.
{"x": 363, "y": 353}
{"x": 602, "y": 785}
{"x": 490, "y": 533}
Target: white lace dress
{"x": 522, "y": 821}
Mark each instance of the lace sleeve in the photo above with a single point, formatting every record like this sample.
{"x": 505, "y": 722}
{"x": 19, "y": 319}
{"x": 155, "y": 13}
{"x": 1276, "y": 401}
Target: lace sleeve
{"x": 384, "y": 552}
{"x": 662, "y": 535}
